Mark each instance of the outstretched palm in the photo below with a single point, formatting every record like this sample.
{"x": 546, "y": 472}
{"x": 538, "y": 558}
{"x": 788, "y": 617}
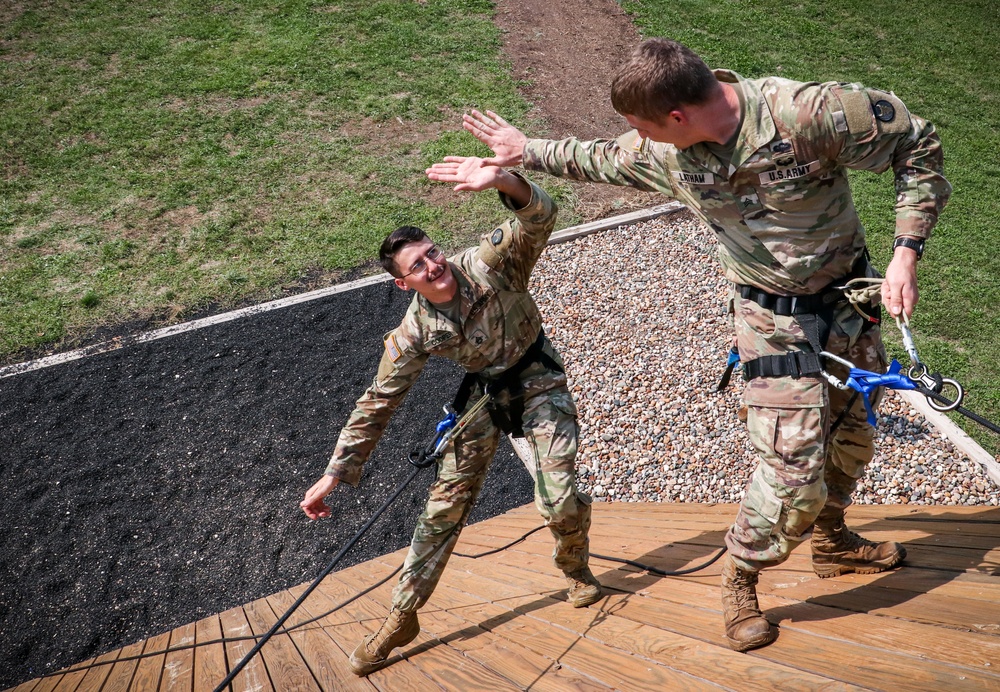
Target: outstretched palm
{"x": 472, "y": 174}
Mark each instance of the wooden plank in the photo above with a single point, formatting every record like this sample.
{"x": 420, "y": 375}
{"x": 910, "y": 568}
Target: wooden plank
{"x": 253, "y": 677}
{"x": 351, "y": 623}
{"x": 515, "y": 663}
{"x": 284, "y": 662}
{"x": 148, "y": 672}
{"x": 727, "y": 667}
{"x": 120, "y": 677}
{"x": 362, "y": 617}
{"x": 441, "y": 663}
{"x": 95, "y": 677}
{"x": 178, "y": 666}
{"x": 327, "y": 661}
{"x": 881, "y": 669}
{"x": 209, "y": 659}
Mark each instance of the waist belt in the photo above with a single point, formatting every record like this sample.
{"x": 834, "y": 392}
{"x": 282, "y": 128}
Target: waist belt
{"x": 508, "y": 418}
{"x": 814, "y": 313}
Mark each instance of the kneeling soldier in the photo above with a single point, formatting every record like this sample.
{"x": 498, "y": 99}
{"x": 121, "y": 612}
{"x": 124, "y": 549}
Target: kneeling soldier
{"x": 475, "y": 309}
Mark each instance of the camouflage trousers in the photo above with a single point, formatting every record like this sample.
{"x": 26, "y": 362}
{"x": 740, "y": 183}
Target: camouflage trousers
{"x": 802, "y": 468}
{"x": 551, "y": 430}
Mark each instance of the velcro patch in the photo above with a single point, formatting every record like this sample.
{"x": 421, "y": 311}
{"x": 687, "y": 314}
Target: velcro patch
{"x": 494, "y": 246}
{"x": 392, "y": 348}
{"x": 788, "y": 173}
{"x": 693, "y": 178}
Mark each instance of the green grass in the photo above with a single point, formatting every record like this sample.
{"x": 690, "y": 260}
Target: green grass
{"x": 941, "y": 61}
{"x": 161, "y": 157}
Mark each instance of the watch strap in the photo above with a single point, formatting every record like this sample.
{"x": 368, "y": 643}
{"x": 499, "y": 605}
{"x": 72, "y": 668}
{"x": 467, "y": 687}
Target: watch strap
{"x": 914, "y": 244}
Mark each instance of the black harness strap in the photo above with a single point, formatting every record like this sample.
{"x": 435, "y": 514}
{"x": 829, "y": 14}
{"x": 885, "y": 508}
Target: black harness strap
{"x": 815, "y": 315}
{"x": 508, "y": 418}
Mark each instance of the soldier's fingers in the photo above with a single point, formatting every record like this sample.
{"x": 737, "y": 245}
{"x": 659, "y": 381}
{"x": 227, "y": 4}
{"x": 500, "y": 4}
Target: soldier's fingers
{"x": 498, "y": 119}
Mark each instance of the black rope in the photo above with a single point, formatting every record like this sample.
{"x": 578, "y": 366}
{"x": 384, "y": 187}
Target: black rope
{"x": 660, "y": 572}
{"x": 312, "y": 587}
{"x": 930, "y": 394}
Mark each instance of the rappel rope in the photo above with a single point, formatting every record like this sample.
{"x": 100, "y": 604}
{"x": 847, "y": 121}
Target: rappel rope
{"x": 446, "y": 430}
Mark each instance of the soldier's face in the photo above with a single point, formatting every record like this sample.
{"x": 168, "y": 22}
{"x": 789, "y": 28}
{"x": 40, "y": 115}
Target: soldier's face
{"x": 427, "y": 271}
{"x": 672, "y": 129}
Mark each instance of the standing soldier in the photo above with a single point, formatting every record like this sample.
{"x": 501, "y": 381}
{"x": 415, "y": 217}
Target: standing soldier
{"x": 764, "y": 163}
{"x": 476, "y": 310}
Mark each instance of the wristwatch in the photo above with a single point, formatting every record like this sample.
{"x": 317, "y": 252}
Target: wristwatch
{"x": 913, "y": 244}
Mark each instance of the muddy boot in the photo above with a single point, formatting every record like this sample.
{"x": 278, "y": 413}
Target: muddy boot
{"x": 399, "y": 629}
{"x": 746, "y": 627}
{"x": 584, "y": 589}
{"x": 837, "y": 550}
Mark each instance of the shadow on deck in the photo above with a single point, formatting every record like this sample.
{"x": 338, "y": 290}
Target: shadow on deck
{"x": 501, "y": 622}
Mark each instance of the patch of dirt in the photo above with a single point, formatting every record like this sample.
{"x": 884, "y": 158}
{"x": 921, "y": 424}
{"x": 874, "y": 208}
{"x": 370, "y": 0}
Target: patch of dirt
{"x": 569, "y": 79}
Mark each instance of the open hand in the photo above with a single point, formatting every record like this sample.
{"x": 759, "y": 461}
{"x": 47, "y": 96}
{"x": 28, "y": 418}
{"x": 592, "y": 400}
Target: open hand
{"x": 506, "y": 141}
{"x": 471, "y": 173}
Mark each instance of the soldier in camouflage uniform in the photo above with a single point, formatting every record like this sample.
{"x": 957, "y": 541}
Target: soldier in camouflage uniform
{"x": 764, "y": 163}
{"x": 475, "y": 309}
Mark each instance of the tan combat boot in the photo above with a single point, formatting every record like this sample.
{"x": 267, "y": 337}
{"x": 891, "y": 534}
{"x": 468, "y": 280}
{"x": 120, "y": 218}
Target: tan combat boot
{"x": 399, "y": 629}
{"x": 746, "y": 627}
{"x": 584, "y": 589}
{"x": 837, "y": 550}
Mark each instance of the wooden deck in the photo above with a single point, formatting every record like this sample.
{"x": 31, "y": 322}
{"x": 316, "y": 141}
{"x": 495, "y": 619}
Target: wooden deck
{"x": 501, "y": 622}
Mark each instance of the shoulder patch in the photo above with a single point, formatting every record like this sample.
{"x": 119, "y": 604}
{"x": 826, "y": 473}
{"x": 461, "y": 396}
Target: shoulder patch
{"x": 889, "y": 111}
{"x": 495, "y": 245}
{"x": 392, "y": 348}
{"x": 867, "y": 112}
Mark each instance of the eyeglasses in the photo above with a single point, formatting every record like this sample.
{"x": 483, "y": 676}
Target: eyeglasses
{"x": 419, "y": 267}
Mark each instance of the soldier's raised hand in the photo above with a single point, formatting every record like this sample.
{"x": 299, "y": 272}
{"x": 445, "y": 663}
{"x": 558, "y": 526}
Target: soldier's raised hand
{"x": 471, "y": 173}
{"x": 506, "y": 141}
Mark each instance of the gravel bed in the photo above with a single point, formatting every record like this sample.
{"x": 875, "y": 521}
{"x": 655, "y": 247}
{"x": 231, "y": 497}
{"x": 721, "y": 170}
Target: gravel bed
{"x": 638, "y": 314}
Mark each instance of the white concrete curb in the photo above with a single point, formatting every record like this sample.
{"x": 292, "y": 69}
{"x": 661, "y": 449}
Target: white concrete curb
{"x": 115, "y": 344}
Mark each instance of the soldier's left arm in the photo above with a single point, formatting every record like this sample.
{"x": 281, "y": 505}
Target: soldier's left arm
{"x": 515, "y": 246}
{"x": 873, "y": 130}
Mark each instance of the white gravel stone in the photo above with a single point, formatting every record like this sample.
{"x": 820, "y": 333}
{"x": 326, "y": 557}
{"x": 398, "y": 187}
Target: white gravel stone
{"x": 639, "y": 315}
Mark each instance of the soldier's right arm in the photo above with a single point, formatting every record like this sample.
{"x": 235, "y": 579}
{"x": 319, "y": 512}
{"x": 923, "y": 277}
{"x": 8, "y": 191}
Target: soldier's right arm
{"x": 629, "y": 160}
{"x": 402, "y": 361}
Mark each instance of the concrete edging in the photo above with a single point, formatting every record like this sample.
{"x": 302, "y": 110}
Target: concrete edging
{"x": 562, "y": 236}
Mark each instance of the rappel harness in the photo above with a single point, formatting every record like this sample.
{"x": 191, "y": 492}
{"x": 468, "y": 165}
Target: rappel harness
{"x": 815, "y": 314}
{"x": 508, "y": 418}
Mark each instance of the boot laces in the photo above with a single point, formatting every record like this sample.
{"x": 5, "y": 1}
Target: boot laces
{"x": 385, "y": 631}
{"x": 853, "y": 541}
{"x": 743, "y": 593}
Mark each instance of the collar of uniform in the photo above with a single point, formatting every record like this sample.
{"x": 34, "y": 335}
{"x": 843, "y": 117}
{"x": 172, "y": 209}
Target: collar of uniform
{"x": 471, "y": 293}
{"x": 758, "y": 126}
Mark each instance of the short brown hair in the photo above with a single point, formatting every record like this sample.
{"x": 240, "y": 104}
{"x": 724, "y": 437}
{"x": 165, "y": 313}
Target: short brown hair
{"x": 661, "y": 76}
{"x": 393, "y": 243}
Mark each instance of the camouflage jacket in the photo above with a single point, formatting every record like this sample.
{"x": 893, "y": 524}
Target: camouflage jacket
{"x": 782, "y": 209}
{"x": 499, "y": 321}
